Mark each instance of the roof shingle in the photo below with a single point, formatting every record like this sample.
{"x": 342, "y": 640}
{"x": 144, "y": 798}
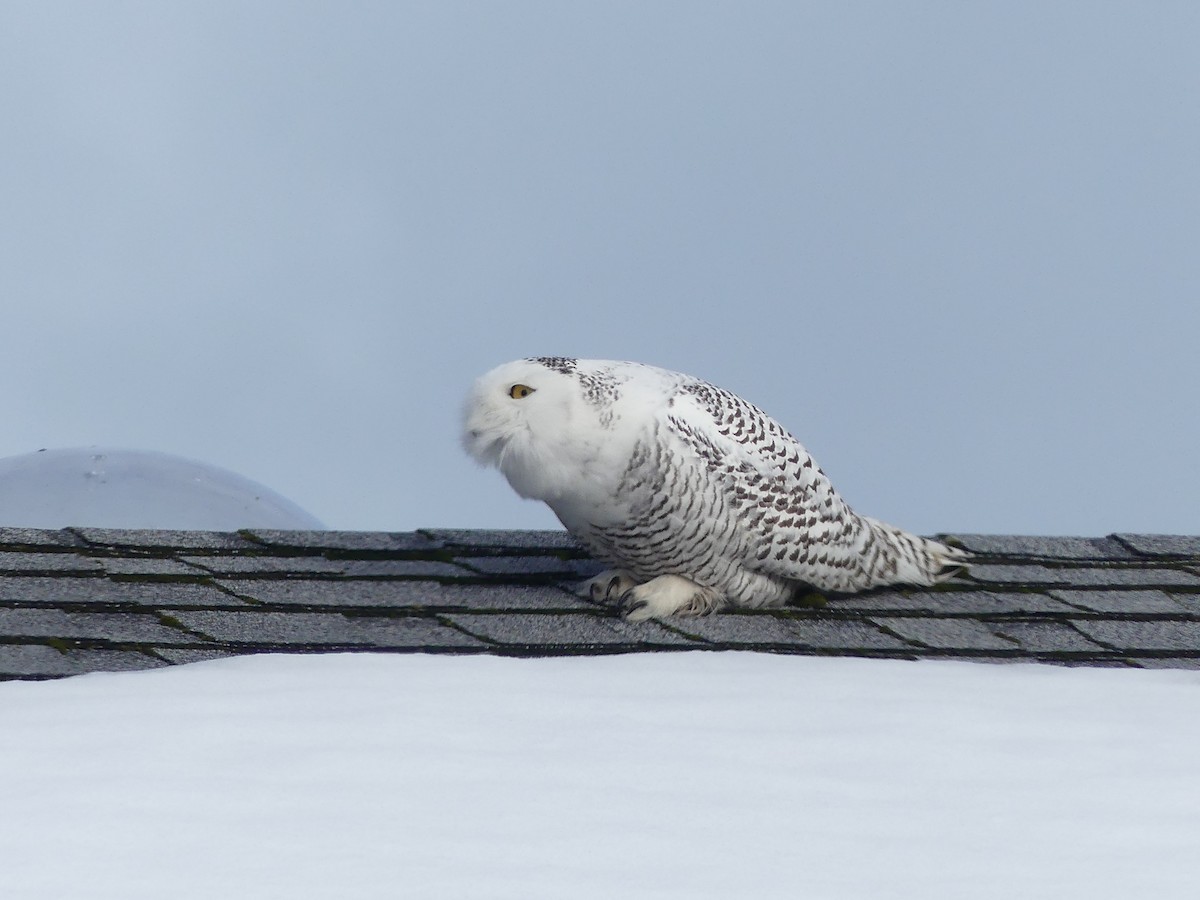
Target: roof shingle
{"x": 87, "y": 599}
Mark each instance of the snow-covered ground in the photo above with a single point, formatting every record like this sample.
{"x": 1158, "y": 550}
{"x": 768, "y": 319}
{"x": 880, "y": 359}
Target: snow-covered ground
{"x": 661, "y": 775}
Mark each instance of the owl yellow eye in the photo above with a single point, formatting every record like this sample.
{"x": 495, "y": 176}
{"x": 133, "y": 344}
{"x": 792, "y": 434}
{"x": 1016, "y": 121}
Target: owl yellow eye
{"x": 520, "y": 391}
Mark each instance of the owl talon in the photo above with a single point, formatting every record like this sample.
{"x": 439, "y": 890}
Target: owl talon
{"x": 669, "y": 595}
{"x": 628, "y": 604}
{"x": 607, "y": 588}
{"x": 604, "y": 593}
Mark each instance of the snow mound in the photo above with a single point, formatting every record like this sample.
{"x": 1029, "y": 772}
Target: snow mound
{"x": 112, "y": 488}
{"x": 657, "y": 775}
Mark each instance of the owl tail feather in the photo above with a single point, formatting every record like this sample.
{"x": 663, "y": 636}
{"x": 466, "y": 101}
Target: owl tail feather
{"x": 894, "y": 556}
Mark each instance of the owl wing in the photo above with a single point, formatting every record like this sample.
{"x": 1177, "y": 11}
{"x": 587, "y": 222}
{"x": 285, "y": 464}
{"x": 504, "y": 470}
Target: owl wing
{"x": 790, "y": 523}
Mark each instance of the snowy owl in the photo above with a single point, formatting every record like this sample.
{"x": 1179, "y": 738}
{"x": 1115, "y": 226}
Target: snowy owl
{"x": 698, "y": 499}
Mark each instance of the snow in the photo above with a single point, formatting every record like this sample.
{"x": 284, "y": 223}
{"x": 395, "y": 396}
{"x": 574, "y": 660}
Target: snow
{"x": 114, "y": 488}
{"x": 659, "y": 775}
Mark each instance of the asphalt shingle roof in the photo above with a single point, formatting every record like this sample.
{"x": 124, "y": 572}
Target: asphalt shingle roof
{"x": 84, "y": 599}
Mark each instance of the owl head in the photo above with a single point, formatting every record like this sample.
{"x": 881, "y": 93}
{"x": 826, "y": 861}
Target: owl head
{"x": 563, "y": 430}
{"x": 529, "y": 420}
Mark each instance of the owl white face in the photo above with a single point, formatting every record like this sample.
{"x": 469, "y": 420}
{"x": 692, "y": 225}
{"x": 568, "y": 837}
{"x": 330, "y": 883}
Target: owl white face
{"x": 518, "y": 418}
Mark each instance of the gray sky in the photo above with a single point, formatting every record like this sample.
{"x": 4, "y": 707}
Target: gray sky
{"x": 955, "y": 248}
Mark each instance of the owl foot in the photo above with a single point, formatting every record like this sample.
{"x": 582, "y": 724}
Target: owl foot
{"x": 607, "y": 587}
{"x": 668, "y": 595}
